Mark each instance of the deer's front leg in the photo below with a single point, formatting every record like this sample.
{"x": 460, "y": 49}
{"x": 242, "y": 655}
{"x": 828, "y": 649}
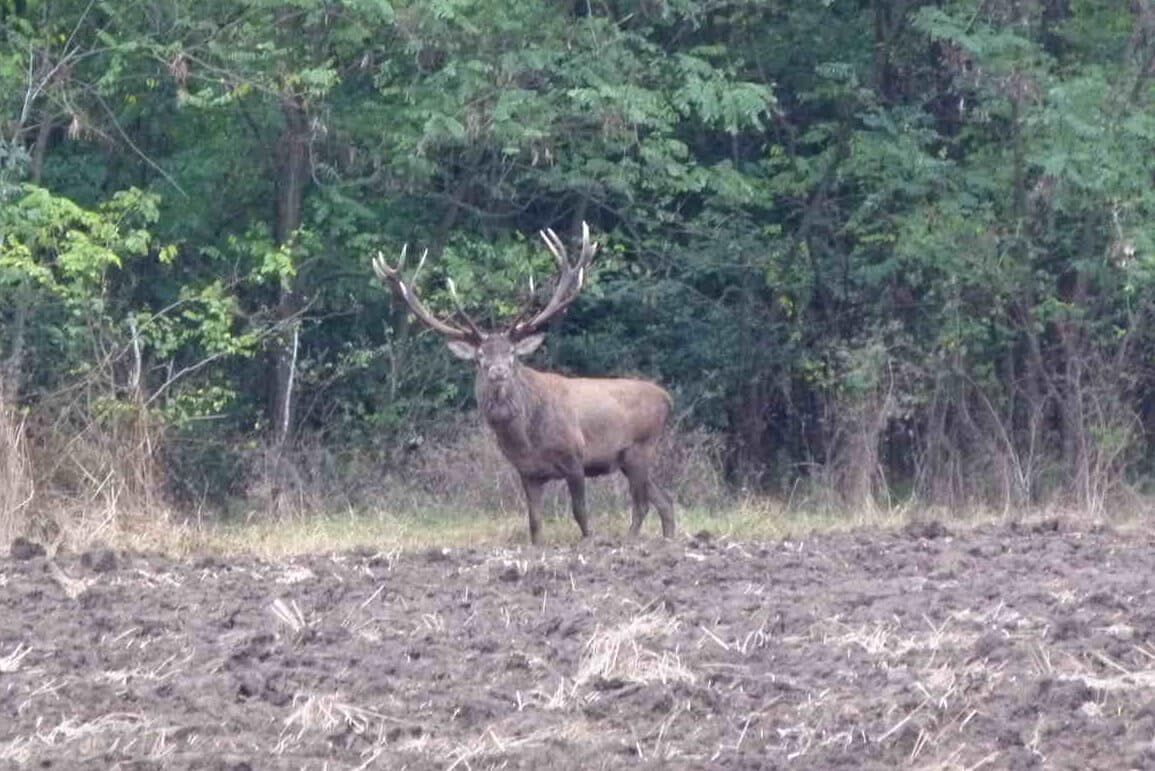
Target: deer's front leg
{"x": 534, "y": 490}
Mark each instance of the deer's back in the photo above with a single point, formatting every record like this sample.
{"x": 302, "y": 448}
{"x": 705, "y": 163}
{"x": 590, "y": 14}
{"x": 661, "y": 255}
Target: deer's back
{"x": 612, "y": 414}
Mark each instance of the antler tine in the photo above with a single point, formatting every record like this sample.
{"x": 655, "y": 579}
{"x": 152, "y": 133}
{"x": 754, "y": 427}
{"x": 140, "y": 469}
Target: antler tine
{"x": 469, "y": 322}
{"x": 392, "y": 277}
{"x": 571, "y": 277}
{"x": 526, "y": 309}
{"x": 382, "y": 269}
{"x": 555, "y": 246}
{"x": 588, "y": 249}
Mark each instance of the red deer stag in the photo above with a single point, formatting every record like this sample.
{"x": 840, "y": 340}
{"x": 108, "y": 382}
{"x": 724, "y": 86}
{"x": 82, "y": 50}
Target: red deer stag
{"x": 549, "y": 426}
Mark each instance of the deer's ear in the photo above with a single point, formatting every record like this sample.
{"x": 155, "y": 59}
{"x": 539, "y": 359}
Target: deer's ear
{"x": 463, "y": 350}
{"x": 528, "y": 345}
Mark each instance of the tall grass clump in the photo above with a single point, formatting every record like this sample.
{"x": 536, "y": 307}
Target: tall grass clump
{"x": 16, "y": 482}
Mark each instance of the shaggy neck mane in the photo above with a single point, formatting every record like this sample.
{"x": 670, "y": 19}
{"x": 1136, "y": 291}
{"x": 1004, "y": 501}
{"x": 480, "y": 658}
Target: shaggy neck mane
{"x": 509, "y": 405}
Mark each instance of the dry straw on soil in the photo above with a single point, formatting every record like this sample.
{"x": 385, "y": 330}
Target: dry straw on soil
{"x": 996, "y": 648}
{"x": 628, "y": 653}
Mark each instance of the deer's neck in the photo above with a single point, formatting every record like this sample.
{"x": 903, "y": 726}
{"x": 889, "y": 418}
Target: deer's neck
{"x": 509, "y": 407}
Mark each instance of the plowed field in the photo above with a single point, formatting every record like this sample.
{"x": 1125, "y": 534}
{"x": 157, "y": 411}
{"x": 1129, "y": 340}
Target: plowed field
{"x": 996, "y": 647}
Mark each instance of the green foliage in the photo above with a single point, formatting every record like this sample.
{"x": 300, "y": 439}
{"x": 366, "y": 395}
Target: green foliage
{"x": 75, "y": 269}
{"x": 801, "y": 206}
{"x": 67, "y": 250}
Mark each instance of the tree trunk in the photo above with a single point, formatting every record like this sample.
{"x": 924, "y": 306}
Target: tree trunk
{"x": 292, "y": 177}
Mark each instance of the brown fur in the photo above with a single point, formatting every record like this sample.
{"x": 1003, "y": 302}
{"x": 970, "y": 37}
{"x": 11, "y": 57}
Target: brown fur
{"x": 553, "y": 427}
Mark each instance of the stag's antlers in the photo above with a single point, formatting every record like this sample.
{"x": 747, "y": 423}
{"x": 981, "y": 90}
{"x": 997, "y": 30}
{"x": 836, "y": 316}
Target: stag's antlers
{"x": 392, "y": 276}
{"x": 570, "y": 277}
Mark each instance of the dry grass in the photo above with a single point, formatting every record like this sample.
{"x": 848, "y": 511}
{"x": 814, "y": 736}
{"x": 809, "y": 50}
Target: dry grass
{"x": 633, "y": 652}
{"x": 98, "y": 482}
{"x": 749, "y": 519}
{"x": 12, "y": 662}
{"x": 379, "y": 531}
{"x": 461, "y": 469}
{"x": 90, "y": 737}
{"x": 95, "y": 476}
{"x": 16, "y": 483}
{"x": 92, "y": 476}
{"x": 290, "y": 615}
{"x": 459, "y": 490}
{"x": 324, "y": 714}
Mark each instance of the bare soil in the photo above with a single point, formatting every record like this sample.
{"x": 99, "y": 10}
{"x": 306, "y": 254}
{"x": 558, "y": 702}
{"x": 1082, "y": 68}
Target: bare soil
{"x": 998, "y": 647}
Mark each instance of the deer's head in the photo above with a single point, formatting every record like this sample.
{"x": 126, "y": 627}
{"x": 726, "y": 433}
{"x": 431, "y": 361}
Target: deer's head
{"x": 496, "y": 352}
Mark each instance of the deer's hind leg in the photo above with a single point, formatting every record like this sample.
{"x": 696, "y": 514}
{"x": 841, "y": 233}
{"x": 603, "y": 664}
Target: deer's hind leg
{"x": 665, "y": 506}
{"x": 571, "y": 470}
{"x": 636, "y": 467}
{"x": 636, "y": 464}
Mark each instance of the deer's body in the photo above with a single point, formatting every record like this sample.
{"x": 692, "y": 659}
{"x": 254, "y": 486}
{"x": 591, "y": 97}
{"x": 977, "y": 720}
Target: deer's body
{"x": 562, "y": 421}
{"x": 553, "y": 427}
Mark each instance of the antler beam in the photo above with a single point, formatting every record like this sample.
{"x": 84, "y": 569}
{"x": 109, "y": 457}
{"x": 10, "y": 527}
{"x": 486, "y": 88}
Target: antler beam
{"x": 570, "y": 278}
{"x": 392, "y": 277}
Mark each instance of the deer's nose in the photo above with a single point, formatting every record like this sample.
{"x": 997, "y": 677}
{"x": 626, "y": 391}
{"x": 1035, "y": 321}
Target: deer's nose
{"x": 499, "y": 372}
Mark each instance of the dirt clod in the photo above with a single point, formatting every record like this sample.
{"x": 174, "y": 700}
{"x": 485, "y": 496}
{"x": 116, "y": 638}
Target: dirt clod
{"x": 928, "y": 529}
{"x": 23, "y": 549}
{"x": 99, "y": 560}
{"x": 437, "y": 555}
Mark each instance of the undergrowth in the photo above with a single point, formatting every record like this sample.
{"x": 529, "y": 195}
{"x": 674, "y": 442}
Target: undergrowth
{"x": 457, "y": 491}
